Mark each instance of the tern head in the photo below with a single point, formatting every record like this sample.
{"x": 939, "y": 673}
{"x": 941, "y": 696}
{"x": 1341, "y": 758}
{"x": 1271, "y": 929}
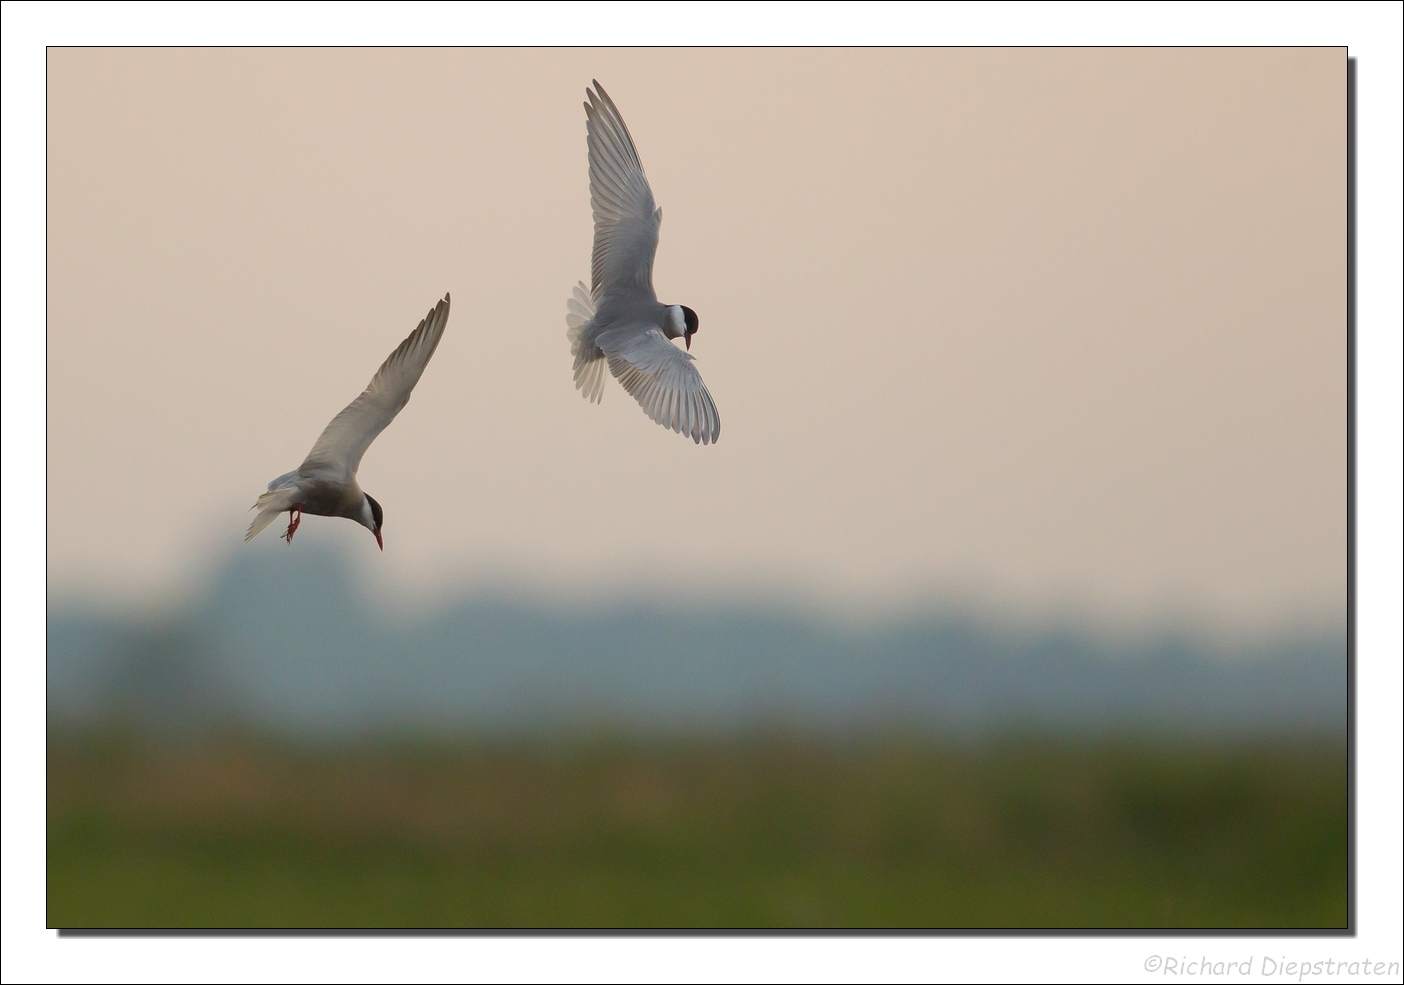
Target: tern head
{"x": 372, "y": 517}
{"x": 682, "y": 323}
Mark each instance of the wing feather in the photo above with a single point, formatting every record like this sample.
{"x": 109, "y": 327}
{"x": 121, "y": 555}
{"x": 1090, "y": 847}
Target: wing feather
{"x": 626, "y": 219}
{"x": 663, "y": 379}
{"x": 339, "y": 449}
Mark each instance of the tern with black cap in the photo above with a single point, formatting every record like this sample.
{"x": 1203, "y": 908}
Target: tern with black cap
{"x": 325, "y": 483}
{"x": 619, "y": 321}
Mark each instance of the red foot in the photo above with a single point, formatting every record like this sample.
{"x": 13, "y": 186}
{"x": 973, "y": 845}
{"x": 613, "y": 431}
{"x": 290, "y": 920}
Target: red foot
{"x": 296, "y": 513}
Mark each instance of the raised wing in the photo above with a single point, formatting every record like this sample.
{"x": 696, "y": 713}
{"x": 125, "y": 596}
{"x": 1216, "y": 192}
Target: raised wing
{"x": 626, "y": 221}
{"x": 338, "y": 451}
{"x": 663, "y": 379}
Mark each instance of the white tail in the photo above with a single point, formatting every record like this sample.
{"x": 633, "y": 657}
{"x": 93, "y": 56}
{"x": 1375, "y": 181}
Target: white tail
{"x": 589, "y": 360}
{"x": 269, "y": 505}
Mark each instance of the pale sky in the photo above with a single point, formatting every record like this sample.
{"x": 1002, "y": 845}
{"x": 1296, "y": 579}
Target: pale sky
{"x": 1061, "y": 328}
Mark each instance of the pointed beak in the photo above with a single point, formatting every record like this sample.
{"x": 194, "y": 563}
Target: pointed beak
{"x": 379, "y": 541}
{"x": 687, "y": 340}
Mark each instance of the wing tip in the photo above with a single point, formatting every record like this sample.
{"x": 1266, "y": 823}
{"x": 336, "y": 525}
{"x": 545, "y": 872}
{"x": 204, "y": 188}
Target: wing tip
{"x": 600, "y": 91}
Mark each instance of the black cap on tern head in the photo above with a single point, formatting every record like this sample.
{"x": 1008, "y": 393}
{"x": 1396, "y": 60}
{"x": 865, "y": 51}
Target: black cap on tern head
{"x": 379, "y": 515}
{"x": 690, "y": 321}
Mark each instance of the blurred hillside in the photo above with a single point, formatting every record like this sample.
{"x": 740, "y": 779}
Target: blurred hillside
{"x": 287, "y": 642}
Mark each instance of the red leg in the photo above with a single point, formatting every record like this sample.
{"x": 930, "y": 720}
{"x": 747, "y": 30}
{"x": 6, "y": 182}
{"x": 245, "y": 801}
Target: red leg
{"x": 294, "y": 519}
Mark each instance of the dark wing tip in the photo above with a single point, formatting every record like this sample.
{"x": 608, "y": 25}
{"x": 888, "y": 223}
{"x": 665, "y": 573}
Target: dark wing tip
{"x": 601, "y": 95}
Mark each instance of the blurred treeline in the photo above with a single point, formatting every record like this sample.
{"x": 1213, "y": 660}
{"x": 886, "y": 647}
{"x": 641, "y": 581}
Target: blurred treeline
{"x": 287, "y": 641}
{"x": 765, "y": 829}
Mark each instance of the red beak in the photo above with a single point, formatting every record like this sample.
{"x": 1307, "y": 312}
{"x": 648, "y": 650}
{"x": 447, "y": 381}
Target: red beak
{"x": 379, "y": 541}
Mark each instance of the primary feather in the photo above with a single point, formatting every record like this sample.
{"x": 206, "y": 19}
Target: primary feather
{"x": 344, "y": 441}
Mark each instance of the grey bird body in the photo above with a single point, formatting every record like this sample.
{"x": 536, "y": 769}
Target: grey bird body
{"x": 325, "y": 483}
{"x": 322, "y": 496}
{"x": 619, "y": 322}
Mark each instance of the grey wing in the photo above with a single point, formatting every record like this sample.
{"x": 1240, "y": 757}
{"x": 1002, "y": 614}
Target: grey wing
{"x": 663, "y": 379}
{"x": 626, "y": 221}
{"x": 338, "y": 451}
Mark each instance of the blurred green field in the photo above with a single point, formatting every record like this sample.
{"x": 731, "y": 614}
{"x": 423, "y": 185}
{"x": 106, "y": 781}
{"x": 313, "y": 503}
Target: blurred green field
{"x": 766, "y": 831}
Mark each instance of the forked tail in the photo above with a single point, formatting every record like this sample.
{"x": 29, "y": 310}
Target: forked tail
{"x": 269, "y": 505}
{"x": 589, "y": 358}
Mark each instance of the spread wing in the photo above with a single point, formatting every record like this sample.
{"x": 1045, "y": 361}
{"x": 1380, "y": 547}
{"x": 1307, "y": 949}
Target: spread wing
{"x": 626, "y": 221}
{"x": 663, "y": 379}
{"x": 338, "y": 451}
